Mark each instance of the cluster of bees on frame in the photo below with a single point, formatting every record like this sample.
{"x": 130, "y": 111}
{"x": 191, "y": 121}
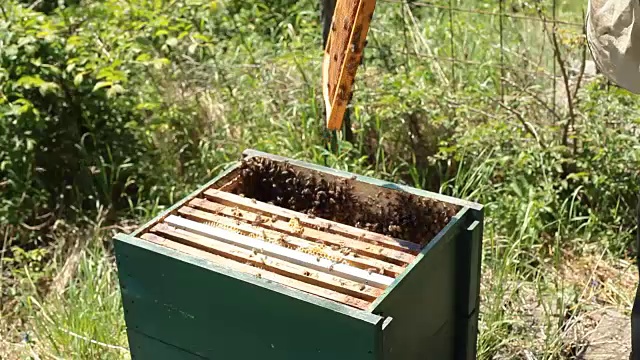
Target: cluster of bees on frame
{"x": 281, "y": 185}
{"x": 393, "y": 213}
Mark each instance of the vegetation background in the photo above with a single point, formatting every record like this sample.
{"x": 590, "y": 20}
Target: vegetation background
{"x": 112, "y": 110}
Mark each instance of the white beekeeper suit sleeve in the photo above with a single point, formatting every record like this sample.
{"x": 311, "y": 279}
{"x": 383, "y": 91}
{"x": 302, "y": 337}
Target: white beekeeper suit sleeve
{"x": 613, "y": 35}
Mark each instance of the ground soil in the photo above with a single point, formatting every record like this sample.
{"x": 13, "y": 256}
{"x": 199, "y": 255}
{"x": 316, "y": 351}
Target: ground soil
{"x": 404, "y": 216}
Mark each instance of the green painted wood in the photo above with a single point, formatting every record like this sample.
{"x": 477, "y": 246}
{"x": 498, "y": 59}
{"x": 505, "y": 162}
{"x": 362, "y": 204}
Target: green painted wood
{"x": 144, "y": 348}
{"x": 385, "y": 184}
{"x": 216, "y": 313}
{"x": 422, "y": 302}
{"x": 431, "y": 311}
{"x": 444, "y": 282}
{"x": 471, "y": 337}
{"x": 469, "y": 302}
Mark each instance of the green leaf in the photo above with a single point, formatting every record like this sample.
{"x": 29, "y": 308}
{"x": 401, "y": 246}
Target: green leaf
{"x": 48, "y": 87}
{"x": 172, "y": 42}
{"x": 161, "y": 33}
{"x": 102, "y": 84}
{"x": 159, "y": 63}
{"x": 114, "y": 90}
{"x": 77, "y": 80}
{"x": 28, "y": 81}
{"x": 143, "y": 57}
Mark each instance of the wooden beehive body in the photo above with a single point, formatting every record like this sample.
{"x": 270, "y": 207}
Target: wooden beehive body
{"x": 190, "y": 293}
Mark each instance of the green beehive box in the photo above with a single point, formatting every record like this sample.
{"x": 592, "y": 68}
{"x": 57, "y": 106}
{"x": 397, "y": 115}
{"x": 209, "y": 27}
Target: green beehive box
{"x": 190, "y": 290}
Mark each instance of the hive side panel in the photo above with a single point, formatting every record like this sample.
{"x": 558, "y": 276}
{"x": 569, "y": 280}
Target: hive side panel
{"x": 469, "y": 261}
{"x": 422, "y": 304}
{"x": 143, "y": 347}
{"x": 218, "y": 315}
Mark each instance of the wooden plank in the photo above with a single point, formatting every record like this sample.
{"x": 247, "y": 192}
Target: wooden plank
{"x": 263, "y": 273}
{"x": 245, "y": 219}
{"x": 218, "y": 313}
{"x": 330, "y": 226}
{"x": 231, "y": 184}
{"x": 342, "y": 270}
{"x": 278, "y": 266}
{"x": 364, "y": 247}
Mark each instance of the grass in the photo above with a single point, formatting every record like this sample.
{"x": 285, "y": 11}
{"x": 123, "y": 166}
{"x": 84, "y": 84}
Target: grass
{"x": 560, "y": 204}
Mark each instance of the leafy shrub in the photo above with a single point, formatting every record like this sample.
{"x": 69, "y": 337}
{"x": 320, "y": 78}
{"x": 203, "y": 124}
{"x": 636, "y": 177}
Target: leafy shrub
{"x": 81, "y": 124}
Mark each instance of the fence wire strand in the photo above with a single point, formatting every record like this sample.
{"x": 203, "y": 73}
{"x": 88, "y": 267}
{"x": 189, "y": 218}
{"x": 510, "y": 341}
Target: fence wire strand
{"x": 488, "y": 13}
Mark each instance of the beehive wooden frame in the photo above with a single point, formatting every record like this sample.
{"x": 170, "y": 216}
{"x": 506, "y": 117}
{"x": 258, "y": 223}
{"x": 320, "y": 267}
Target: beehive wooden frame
{"x": 182, "y": 301}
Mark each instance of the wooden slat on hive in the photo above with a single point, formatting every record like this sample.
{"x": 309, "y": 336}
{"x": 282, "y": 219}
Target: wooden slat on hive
{"x": 330, "y": 226}
{"x": 264, "y": 272}
{"x": 230, "y": 185}
{"x": 246, "y": 221}
{"x": 279, "y": 266}
{"x": 296, "y": 257}
{"x": 365, "y": 247}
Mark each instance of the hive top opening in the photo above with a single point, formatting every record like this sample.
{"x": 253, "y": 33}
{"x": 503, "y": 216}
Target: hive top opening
{"x": 384, "y": 211}
{"x": 334, "y": 237}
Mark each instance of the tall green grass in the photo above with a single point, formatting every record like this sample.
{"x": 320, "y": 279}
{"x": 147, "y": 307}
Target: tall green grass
{"x": 191, "y": 86}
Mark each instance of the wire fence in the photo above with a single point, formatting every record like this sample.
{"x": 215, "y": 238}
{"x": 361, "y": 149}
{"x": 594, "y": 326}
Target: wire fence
{"x": 538, "y": 50}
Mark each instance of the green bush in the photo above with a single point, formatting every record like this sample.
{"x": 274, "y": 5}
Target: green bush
{"x": 82, "y": 127}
